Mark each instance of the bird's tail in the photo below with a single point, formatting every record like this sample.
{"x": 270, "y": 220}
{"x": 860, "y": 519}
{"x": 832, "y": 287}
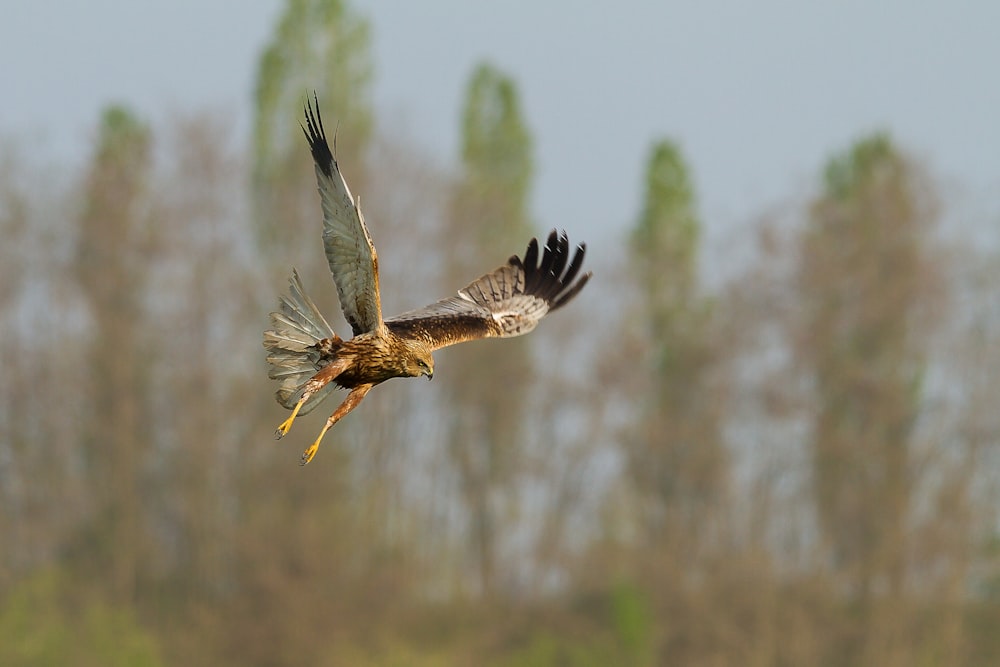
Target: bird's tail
{"x": 298, "y": 345}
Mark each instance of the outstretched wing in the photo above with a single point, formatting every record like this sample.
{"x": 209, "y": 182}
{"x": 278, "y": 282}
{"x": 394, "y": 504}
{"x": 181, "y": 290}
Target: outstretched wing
{"x": 507, "y": 302}
{"x": 349, "y": 248}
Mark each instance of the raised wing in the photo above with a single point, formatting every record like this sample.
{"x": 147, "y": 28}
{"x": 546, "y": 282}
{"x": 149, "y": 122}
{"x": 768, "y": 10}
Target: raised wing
{"x": 349, "y": 248}
{"x": 510, "y": 301}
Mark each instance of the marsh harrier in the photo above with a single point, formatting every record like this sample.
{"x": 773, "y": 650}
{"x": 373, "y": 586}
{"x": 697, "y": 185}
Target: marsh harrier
{"x": 309, "y": 359}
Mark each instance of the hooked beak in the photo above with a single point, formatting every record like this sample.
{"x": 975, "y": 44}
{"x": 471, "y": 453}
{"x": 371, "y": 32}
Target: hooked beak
{"x": 430, "y": 375}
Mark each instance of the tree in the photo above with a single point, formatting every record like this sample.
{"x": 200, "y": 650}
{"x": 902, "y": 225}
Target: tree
{"x": 321, "y": 46}
{"x": 489, "y": 217}
{"x": 497, "y": 167}
{"x": 866, "y": 278}
{"x": 109, "y": 260}
{"x": 307, "y": 548}
{"x": 675, "y": 454}
{"x": 203, "y": 253}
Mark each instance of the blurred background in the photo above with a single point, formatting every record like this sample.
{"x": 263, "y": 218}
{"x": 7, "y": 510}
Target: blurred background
{"x": 765, "y": 434}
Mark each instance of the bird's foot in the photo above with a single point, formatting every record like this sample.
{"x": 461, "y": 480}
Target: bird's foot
{"x": 282, "y": 430}
{"x": 308, "y": 455}
{"x": 286, "y": 425}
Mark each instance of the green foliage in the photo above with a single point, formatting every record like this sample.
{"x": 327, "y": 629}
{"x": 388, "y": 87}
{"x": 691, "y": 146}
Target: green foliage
{"x": 112, "y": 260}
{"x": 496, "y": 158}
{"x": 321, "y": 46}
{"x": 675, "y": 454}
{"x": 489, "y": 210}
{"x": 621, "y": 634}
{"x": 866, "y": 282}
{"x": 123, "y": 137}
{"x": 666, "y": 235}
{"x": 118, "y": 170}
{"x": 861, "y": 167}
{"x": 390, "y": 654}
{"x": 545, "y": 649}
{"x": 665, "y": 244}
{"x": 496, "y": 144}
{"x": 633, "y": 623}
{"x": 43, "y": 621}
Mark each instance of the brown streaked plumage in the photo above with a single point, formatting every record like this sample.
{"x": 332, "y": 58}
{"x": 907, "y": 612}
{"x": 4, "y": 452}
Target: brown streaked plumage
{"x": 310, "y": 360}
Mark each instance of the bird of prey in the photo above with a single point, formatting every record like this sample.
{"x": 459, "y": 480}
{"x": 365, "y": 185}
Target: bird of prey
{"x": 309, "y": 359}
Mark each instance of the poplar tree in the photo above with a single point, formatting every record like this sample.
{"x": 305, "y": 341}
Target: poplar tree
{"x": 489, "y": 221}
{"x": 304, "y": 525}
{"x": 865, "y": 276}
{"x": 319, "y": 46}
{"x": 676, "y": 457}
{"x": 109, "y": 261}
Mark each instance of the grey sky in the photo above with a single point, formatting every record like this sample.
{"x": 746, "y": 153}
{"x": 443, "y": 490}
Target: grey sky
{"x": 758, "y": 93}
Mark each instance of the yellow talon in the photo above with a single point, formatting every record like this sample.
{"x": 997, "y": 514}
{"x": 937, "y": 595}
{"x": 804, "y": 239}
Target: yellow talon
{"x": 308, "y": 455}
{"x": 286, "y": 425}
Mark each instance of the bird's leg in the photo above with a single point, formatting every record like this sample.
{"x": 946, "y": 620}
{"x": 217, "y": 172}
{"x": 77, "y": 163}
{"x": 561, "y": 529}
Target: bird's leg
{"x": 286, "y": 425}
{"x": 324, "y": 377}
{"x": 351, "y": 402}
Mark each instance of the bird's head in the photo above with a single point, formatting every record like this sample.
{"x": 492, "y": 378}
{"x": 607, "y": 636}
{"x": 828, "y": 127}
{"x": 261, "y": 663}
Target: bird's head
{"x": 420, "y": 361}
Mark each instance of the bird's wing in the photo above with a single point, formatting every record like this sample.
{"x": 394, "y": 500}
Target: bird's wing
{"x": 510, "y": 301}
{"x": 349, "y": 248}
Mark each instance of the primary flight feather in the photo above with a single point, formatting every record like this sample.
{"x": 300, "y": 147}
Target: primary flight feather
{"x": 310, "y": 360}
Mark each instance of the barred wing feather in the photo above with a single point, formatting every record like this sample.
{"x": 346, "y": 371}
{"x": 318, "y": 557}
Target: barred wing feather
{"x": 349, "y": 248}
{"x": 507, "y": 302}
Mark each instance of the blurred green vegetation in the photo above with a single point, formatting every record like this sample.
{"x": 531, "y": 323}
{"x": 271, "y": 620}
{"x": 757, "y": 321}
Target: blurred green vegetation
{"x": 47, "y": 620}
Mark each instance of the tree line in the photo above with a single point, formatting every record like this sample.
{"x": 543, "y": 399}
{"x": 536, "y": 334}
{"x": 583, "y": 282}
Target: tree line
{"x": 795, "y": 467}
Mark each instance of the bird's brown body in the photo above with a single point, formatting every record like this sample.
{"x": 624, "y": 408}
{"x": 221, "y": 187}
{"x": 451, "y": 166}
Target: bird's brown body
{"x": 309, "y": 359}
{"x": 372, "y": 359}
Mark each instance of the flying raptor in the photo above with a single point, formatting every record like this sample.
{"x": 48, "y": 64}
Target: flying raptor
{"x": 310, "y": 360}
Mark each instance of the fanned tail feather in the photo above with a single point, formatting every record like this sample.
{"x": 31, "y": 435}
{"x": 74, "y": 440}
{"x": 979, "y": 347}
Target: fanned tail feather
{"x": 293, "y": 350}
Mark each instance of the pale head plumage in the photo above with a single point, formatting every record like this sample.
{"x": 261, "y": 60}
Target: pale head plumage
{"x": 418, "y": 360}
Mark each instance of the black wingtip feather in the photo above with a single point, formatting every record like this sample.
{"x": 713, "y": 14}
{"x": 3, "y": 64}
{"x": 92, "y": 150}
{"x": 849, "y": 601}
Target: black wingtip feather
{"x": 554, "y": 282}
{"x": 562, "y": 255}
{"x": 547, "y": 280}
{"x": 551, "y": 249}
{"x": 316, "y": 136}
{"x": 573, "y": 291}
{"x": 574, "y": 266}
{"x": 531, "y": 254}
